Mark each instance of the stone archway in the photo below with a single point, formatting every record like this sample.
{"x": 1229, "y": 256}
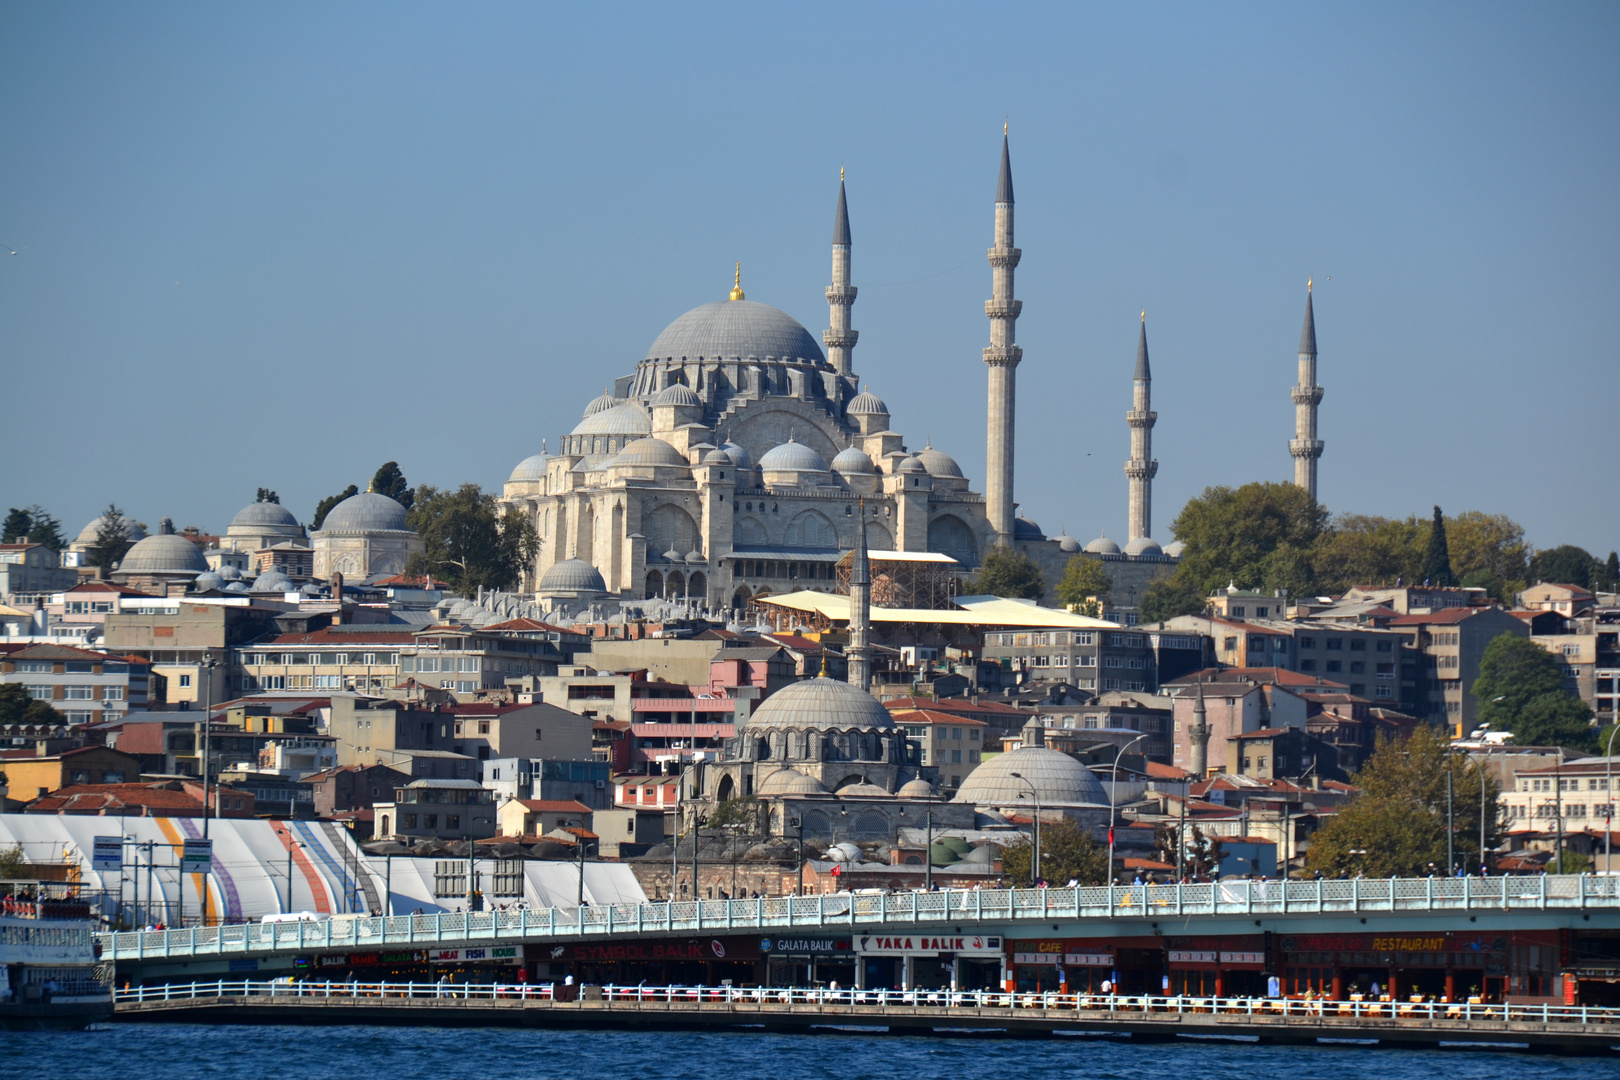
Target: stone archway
{"x": 726, "y": 790}
{"x": 655, "y": 584}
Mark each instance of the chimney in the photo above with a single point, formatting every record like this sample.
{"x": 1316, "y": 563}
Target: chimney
{"x": 337, "y": 596}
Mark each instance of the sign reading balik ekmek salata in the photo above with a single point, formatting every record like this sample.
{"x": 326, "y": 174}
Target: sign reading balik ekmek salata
{"x": 927, "y": 945}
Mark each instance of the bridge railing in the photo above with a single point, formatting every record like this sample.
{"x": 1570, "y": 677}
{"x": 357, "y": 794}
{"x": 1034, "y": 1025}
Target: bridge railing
{"x": 730, "y": 997}
{"x": 985, "y": 908}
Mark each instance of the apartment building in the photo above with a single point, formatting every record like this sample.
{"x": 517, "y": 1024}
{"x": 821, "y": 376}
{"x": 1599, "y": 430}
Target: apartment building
{"x": 85, "y": 686}
{"x": 954, "y": 745}
{"x": 1093, "y": 660}
{"x": 1446, "y": 647}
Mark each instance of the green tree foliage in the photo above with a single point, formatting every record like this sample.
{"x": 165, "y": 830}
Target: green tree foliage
{"x": 1566, "y": 564}
{"x": 1611, "y": 572}
{"x": 1570, "y": 862}
{"x": 1007, "y": 573}
{"x": 35, "y": 526}
{"x": 324, "y": 507}
{"x": 1437, "y": 557}
{"x": 389, "y": 481}
{"x": 1169, "y": 595}
{"x": 468, "y": 541}
{"x": 1202, "y": 859}
{"x": 266, "y": 495}
{"x": 18, "y": 522}
{"x": 112, "y": 539}
{"x": 1521, "y": 689}
{"x": 13, "y": 864}
{"x": 1260, "y": 536}
{"x": 1399, "y": 820}
{"x": 741, "y": 812}
{"x": 1359, "y": 549}
{"x": 1084, "y": 587}
{"x": 1068, "y": 851}
{"x": 18, "y": 707}
{"x": 1489, "y": 551}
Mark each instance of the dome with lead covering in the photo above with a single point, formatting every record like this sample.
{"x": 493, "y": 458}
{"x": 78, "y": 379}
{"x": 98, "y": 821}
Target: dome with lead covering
{"x": 1067, "y": 543}
{"x": 649, "y": 451}
{"x": 366, "y": 512}
{"x": 853, "y": 460}
{"x": 939, "y": 463}
{"x": 165, "y": 553}
{"x": 272, "y": 581}
{"x": 625, "y": 418}
{"x": 916, "y": 789}
{"x": 823, "y": 704}
{"x": 730, "y": 329}
{"x": 1025, "y": 529}
{"x": 600, "y": 404}
{"x": 867, "y": 403}
{"x": 531, "y": 468}
{"x": 911, "y": 465}
{"x": 1174, "y": 549}
{"x": 264, "y": 515}
{"x": 792, "y": 457}
{"x": 208, "y": 582}
{"x": 739, "y": 456}
{"x": 572, "y": 575}
{"x": 1143, "y": 545}
{"x": 678, "y": 394}
{"x": 87, "y": 535}
{"x": 1058, "y": 779}
{"x": 1103, "y": 546}
{"x": 790, "y": 782}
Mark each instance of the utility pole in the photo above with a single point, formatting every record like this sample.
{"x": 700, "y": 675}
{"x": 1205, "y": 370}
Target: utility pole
{"x": 1451, "y": 834}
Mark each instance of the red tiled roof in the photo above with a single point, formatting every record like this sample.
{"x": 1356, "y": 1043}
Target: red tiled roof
{"x": 554, "y": 806}
{"x": 526, "y": 626}
{"x": 1156, "y": 771}
{"x": 957, "y": 705}
{"x": 1444, "y": 617}
{"x": 327, "y": 636}
{"x": 89, "y": 798}
{"x": 934, "y": 716}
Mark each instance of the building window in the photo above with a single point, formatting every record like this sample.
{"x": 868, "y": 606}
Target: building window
{"x": 185, "y": 681}
{"x": 81, "y": 693}
{"x": 1335, "y": 643}
{"x": 1358, "y": 667}
{"x": 1335, "y": 665}
{"x": 112, "y": 693}
{"x": 1307, "y": 665}
{"x": 1307, "y": 642}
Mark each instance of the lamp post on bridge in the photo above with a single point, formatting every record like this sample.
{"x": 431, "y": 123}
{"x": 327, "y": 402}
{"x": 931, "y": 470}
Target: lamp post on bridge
{"x": 1035, "y": 864}
{"x": 1113, "y": 799}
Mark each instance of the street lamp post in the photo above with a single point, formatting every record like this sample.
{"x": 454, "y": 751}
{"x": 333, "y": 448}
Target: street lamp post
{"x": 1113, "y": 790}
{"x": 1608, "y": 795}
{"x": 579, "y": 901}
{"x": 928, "y": 840}
{"x": 1035, "y": 865}
{"x": 798, "y": 823}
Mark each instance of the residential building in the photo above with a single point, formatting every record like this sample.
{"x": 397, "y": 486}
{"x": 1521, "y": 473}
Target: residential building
{"x": 1233, "y": 703}
{"x": 369, "y": 732}
{"x": 353, "y": 787}
{"x": 1365, "y": 658}
{"x": 626, "y": 833}
{"x": 1419, "y": 599}
{"x": 659, "y": 793}
{"x": 1121, "y": 711}
{"x": 1095, "y": 660}
{"x": 536, "y": 817}
{"x": 30, "y": 774}
{"x": 434, "y": 809}
{"x": 1546, "y": 803}
{"x": 1000, "y": 719}
{"x": 31, "y": 572}
{"x": 952, "y": 744}
{"x": 361, "y": 657}
{"x": 1571, "y": 600}
{"x": 587, "y": 782}
{"x": 157, "y": 798}
{"x": 486, "y": 731}
{"x": 1446, "y": 647}
{"x": 468, "y": 661}
{"x": 86, "y": 687}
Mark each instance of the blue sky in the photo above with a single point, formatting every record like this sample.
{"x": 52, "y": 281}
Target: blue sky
{"x": 280, "y": 244}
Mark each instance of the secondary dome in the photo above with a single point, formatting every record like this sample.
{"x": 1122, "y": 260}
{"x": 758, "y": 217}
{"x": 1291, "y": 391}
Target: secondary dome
{"x": 165, "y": 553}
{"x": 911, "y": 465}
{"x": 1174, "y": 549}
{"x": 1103, "y": 546}
{"x": 792, "y": 457}
{"x": 738, "y": 455}
{"x": 572, "y": 575}
{"x": 272, "y": 581}
{"x": 1057, "y": 779}
{"x": 678, "y": 394}
{"x": 1143, "y": 545}
{"x": 821, "y": 703}
{"x": 1025, "y": 529}
{"x": 916, "y": 789}
{"x": 262, "y": 515}
{"x": 626, "y": 418}
{"x": 649, "y": 452}
{"x": 853, "y": 460}
{"x": 867, "y": 403}
{"x": 736, "y": 328}
{"x": 208, "y": 581}
{"x": 366, "y": 512}
{"x": 1065, "y": 542}
{"x": 939, "y": 463}
{"x": 87, "y": 535}
{"x": 600, "y": 404}
{"x": 531, "y": 468}
{"x": 791, "y": 782}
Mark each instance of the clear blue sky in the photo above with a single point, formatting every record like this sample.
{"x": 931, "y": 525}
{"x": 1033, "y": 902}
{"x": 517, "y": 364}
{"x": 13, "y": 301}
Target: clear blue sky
{"x": 280, "y": 244}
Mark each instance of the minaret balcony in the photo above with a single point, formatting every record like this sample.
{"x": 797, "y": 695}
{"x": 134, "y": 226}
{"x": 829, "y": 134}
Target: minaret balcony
{"x": 841, "y": 294}
{"x": 1005, "y": 257}
{"x": 1141, "y": 470}
{"x": 1003, "y": 355}
{"x": 1003, "y": 309}
{"x": 1141, "y": 418}
{"x": 834, "y": 339}
{"x": 1307, "y": 395}
{"x": 1305, "y": 448}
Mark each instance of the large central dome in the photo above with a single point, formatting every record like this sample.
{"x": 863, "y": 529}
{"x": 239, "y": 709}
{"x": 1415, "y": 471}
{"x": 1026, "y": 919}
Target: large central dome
{"x": 735, "y": 329}
{"x": 822, "y": 704}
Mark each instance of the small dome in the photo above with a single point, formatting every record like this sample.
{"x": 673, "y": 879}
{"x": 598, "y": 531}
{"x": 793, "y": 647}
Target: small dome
{"x": 915, "y": 789}
{"x": 236, "y": 587}
{"x": 821, "y": 703}
{"x": 165, "y": 553}
{"x": 366, "y": 512}
{"x": 208, "y": 582}
{"x": 736, "y": 328}
{"x": 272, "y": 581}
{"x": 1025, "y": 529}
{"x": 853, "y": 460}
{"x": 310, "y": 589}
{"x": 601, "y": 404}
{"x": 718, "y": 458}
{"x": 649, "y": 451}
{"x": 625, "y": 418}
{"x": 261, "y": 515}
{"x": 792, "y": 457}
{"x": 1174, "y": 549}
{"x": 1065, "y": 542}
{"x": 863, "y": 788}
{"x": 740, "y": 458}
{"x": 1103, "y": 546}
{"x": 1143, "y": 545}
{"x": 87, "y": 535}
{"x": 531, "y": 468}
{"x": 572, "y": 575}
{"x": 867, "y": 403}
{"x": 672, "y": 555}
{"x": 229, "y": 573}
{"x": 678, "y": 394}
{"x": 1056, "y": 777}
{"x": 791, "y": 782}
{"x": 939, "y": 463}
{"x": 695, "y": 556}
{"x": 911, "y": 465}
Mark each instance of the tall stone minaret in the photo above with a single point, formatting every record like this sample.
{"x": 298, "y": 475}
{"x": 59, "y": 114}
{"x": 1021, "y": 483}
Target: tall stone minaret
{"x": 859, "y": 652}
{"x": 838, "y": 337}
{"x": 1141, "y": 469}
{"x": 1305, "y": 447}
{"x": 1002, "y": 357}
{"x": 1198, "y": 738}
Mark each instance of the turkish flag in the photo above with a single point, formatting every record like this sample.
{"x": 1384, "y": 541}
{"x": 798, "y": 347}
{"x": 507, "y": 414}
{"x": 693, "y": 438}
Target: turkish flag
{"x": 837, "y": 871}
{"x": 1110, "y": 834}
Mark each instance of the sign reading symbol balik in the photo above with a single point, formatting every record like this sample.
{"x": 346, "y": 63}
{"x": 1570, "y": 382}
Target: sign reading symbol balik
{"x": 197, "y": 857}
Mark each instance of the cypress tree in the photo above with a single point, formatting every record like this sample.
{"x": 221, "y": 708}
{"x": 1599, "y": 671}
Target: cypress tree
{"x": 1437, "y": 561}
{"x": 1611, "y": 570}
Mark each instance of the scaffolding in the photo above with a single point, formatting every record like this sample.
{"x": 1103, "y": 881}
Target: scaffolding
{"x": 907, "y": 579}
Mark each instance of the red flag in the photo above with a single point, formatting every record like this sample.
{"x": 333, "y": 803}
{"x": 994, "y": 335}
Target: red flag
{"x": 1110, "y": 834}
{"x": 837, "y": 871}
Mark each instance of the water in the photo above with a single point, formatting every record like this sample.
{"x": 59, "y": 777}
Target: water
{"x": 181, "y": 1052}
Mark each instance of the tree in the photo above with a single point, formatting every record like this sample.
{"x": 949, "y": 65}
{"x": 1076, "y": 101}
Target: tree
{"x": 1566, "y": 564}
{"x": 389, "y": 481}
{"x": 1202, "y": 858}
{"x": 1084, "y": 587}
{"x": 1521, "y": 689}
{"x": 1007, "y": 573}
{"x": 742, "y": 811}
{"x": 1068, "y": 852}
{"x": 1611, "y": 571}
{"x": 467, "y": 540}
{"x": 1260, "y": 536}
{"x": 1359, "y": 549}
{"x": 1397, "y": 827}
{"x": 13, "y": 863}
{"x": 112, "y": 539}
{"x": 18, "y": 522}
{"x": 1489, "y": 551}
{"x": 266, "y": 495}
{"x": 324, "y": 507}
{"x": 35, "y": 526}
{"x": 17, "y": 706}
{"x": 1169, "y": 595}
{"x": 1437, "y": 559}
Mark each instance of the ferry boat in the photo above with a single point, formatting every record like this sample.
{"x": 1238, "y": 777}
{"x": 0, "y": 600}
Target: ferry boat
{"x": 50, "y": 976}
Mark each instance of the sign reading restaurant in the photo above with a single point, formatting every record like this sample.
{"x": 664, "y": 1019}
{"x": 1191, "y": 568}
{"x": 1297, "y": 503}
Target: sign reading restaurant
{"x": 919, "y": 945}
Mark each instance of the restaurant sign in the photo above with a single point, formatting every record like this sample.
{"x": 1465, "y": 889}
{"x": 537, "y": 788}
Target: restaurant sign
{"x": 490, "y": 954}
{"x": 805, "y": 946}
{"x": 921, "y": 945}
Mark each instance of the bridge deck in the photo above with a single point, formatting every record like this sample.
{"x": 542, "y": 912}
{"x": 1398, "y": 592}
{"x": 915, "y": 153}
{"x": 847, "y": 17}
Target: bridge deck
{"x": 1562, "y": 1029}
{"x": 980, "y": 908}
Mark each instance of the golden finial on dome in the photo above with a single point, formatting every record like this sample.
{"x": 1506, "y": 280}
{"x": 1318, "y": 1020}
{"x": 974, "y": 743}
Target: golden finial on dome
{"x": 1004, "y": 129}
{"x": 840, "y": 174}
{"x": 1309, "y": 281}
{"x": 736, "y": 284}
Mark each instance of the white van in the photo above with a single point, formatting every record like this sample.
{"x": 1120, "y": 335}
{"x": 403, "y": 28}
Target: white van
{"x": 293, "y": 916}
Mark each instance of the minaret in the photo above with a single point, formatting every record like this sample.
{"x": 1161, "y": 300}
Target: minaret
{"x": 1305, "y": 446}
{"x": 859, "y": 651}
{"x": 838, "y": 337}
{"x": 1002, "y": 357}
{"x": 1141, "y": 468}
{"x": 1198, "y": 737}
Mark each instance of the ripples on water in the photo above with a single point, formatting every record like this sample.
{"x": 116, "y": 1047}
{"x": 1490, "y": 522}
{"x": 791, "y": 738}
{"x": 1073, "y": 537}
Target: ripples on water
{"x": 176, "y": 1052}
